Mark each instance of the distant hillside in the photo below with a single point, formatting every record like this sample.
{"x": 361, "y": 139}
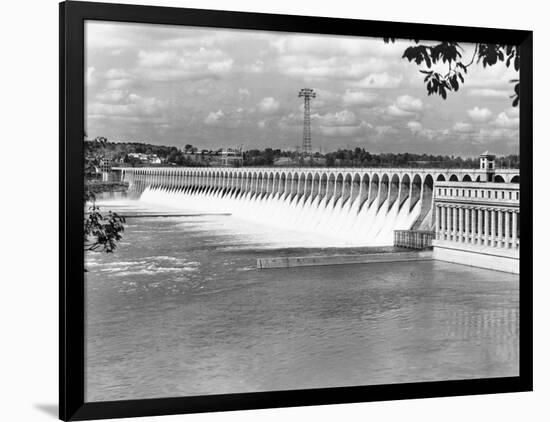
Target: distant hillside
{"x": 357, "y": 157}
{"x": 118, "y": 152}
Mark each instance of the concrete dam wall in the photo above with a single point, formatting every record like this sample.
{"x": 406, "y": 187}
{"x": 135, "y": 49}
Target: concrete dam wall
{"x": 360, "y": 207}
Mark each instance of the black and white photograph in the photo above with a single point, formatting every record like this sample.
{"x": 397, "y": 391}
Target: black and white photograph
{"x": 261, "y": 211}
{"x": 269, "y": 211}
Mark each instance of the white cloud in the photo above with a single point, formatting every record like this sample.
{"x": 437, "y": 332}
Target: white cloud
{"x": 395, "y": 111}
{"x": 90, "y": 77}
{"x": 328, "y": 68}
{"x": 105, "y": 35}
{"x": 191, "y": 38}
{"x": 243, "y": 93}
{"x": 488, "y": 92}
{"x": 480, "y": 115}
{"x": 414, "y": 126}
{"x": 385, "y": 130}
{"x": 290, "y": 121}
{"x": 463, "y": 127}
{"x": 325, "y": 99}
{"x": 302, "y": 44}
{"x": 430, "y": 134}
{"x": 381, "y": 81}
{"x": 118, "y": 83}
{"x": 214, "y": 117}
{"x": 497, "y": 76}
{"x": 256, "y": 67}
{"x": 127, "y": 105}
{"x": 157, "y": 58}
{"x": 117, "y": 73}
{"x": 342, "y": 123}
{"x": 222, "y": 66}
{"x": 408, "y": 103}
{"x": 358, "y": 98}
{"x": 504, "y": 121}
{"x": 112, "y": 96}
{"x": 512, "y": 111}
{"x": 405, "y": 106}
{"x": 117, "y": 78}
{"x": 193, "y": 64}
{"x": 498, "y": 134}
{"x": 343, "y": 131}
{"x": 339, "y": 118}
{"x": 268, "y": 105}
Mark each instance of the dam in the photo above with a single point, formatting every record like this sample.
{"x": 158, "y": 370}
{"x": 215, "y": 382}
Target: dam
{"x": 355, "y": 207}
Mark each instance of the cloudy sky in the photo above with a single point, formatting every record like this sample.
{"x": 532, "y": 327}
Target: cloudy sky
{"x": 213, "y": 88}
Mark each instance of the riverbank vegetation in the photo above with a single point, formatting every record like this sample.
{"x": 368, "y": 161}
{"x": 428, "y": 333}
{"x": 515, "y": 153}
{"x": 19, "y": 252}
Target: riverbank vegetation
{"x": 102, "y": 230}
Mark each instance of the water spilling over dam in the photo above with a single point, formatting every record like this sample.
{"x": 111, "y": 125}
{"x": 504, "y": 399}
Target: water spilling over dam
{"x": 359, "y": 207}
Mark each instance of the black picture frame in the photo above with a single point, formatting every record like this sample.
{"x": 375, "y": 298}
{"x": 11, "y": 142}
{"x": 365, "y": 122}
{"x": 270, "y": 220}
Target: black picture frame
{"x": 72, "y": 16}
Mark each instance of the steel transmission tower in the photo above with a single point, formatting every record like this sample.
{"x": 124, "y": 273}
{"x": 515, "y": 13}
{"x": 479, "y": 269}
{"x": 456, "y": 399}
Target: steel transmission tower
{"x": 308, "y": 94}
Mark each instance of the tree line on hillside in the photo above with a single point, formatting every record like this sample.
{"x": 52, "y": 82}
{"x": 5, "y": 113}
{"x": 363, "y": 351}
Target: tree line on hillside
{"x": 268, "y": 156}
{"x": 120, "y": 152}
{"x": 191, "y": 156}
{"x": 359, "y": 157}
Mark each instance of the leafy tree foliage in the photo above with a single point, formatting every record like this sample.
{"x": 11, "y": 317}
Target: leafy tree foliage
{"x": 101, "y": 231}
{"x": 450, "y": 54}
{"x": 256, "y": 157}
{"x": 177, "y": 157}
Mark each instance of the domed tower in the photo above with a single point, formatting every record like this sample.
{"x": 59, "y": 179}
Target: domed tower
{"x": 487, "y": 166}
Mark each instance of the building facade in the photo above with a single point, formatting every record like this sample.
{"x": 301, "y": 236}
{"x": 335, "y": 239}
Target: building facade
{"x": 231, "y": 157}
{"x": 477, "y": 224}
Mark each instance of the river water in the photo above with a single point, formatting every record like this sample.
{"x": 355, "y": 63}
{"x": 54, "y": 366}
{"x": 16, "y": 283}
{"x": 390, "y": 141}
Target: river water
{"x": 180, "y": 309}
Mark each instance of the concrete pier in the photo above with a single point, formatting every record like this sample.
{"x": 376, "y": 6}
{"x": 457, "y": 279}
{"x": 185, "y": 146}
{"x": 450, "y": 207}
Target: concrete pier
{"x": 307, "y": 261}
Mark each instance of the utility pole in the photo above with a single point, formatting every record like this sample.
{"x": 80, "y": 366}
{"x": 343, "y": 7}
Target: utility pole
{"x": 307, "y": 94}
